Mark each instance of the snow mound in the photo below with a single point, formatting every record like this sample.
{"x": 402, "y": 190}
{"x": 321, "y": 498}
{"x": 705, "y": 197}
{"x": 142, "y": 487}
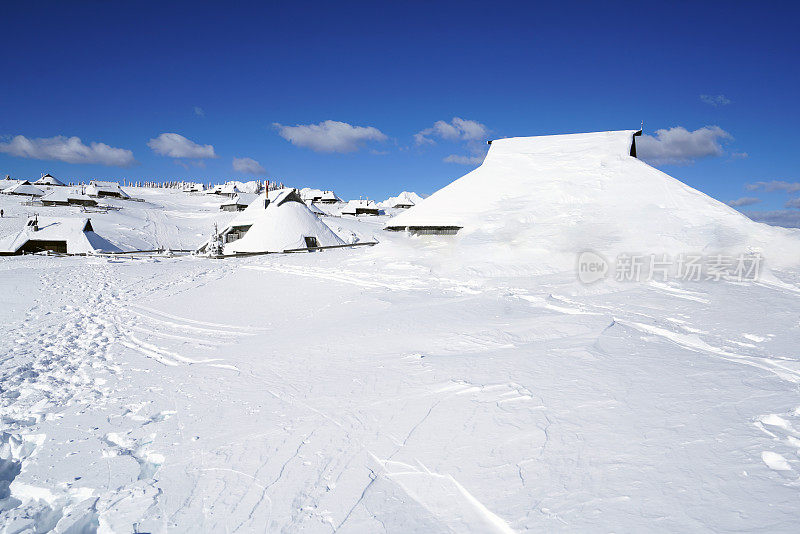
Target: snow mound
{"x": 537, "y": 202}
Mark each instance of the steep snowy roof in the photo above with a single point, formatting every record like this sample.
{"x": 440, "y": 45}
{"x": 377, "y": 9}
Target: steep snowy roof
{"x": 76, "y": 232}
{"x": 256, "y": 206}
{"x": 47, "y": 179}
{"x": 23, "y": 189}
{"x": 562, "y": 194}
{"x": 283, "y": 225}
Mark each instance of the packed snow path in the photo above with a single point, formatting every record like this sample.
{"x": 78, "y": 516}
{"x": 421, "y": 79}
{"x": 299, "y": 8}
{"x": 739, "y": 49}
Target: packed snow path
{"x": 329, "y": 392}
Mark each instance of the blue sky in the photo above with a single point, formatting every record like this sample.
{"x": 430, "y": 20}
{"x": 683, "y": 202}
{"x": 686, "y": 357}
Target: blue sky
{"x": 231, "y": 75}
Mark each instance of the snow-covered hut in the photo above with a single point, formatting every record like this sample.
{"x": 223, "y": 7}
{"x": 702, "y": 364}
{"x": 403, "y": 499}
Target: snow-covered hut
{"x": 192, "y": 187}
{"x": 310, "y": 195}
{"x": 47, "y": 179}
{"x": 229, "y": 189}
{"x": 67, "y": 197}
{"x": 65, "y": 236}
{"x": 329, "y": 197}
{"x": 405, "y": 200}
{"x": 238, "y": 202}
{"x": 318, "y": 196}
{"x": 97, "y": 188}
{"x": 24, "y": 188}
{"x": 361, "y": 206}
{"x": 275, "y": 222}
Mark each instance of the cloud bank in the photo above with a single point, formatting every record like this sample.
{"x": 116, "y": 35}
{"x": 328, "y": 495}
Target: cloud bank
{"x": 248, "y": 166}
{"x": 744, "y": 201}
{"x": 471, "y": 133}
{"x": 679, "y": 146}
{"x": 774, "y": 185}
{"x": 786, "y": 218}
{"x": 177, "y": 146}
{"x": 457, "y": 129}
{"x": 67, "y": 149}
{"x": 330, "y": 136}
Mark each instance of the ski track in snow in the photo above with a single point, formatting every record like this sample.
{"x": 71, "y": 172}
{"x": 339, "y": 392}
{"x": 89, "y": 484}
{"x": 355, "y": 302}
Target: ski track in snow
{"x": 326, "y": 469}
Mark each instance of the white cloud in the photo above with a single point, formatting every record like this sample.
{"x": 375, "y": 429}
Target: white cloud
{"x": 715, "y": 100}
{"x": 786, "y": 218}
{"x": 774, "y": 185}
{"x": 681, "y": 147}
{"x": 200, "y": 112}
{"x": 330, "y": 136}
{"x": 744, "y": 201}
{"x": 68, "y": 149}
{"x": 456, "y": 130}
{"x": 793, "y": 203}
{"x": 177, "y": 146}
{"x": 248, "y": 166}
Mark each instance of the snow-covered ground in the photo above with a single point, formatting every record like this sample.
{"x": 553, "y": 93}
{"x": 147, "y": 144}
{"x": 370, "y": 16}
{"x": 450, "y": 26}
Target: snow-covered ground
{"x": 456, "y": 383}
{"x": 340, "y": 391}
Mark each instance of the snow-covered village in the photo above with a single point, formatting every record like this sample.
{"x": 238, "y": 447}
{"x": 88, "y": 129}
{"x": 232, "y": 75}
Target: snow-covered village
{"x": 475, "y": 311}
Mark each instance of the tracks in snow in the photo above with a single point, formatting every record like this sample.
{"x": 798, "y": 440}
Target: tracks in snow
{"x": 61, "y": 362}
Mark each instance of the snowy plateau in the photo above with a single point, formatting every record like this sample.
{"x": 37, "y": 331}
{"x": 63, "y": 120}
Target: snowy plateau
{"x": 428, "y": 383}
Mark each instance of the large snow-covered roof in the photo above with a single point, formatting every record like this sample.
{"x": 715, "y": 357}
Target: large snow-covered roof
{"x": 76, "y": 232}
{"x": 561, "y": 194}
{"x": 283, "y": 225}
{"x": 62, "y": 194}
{"x": 24, "y": 189}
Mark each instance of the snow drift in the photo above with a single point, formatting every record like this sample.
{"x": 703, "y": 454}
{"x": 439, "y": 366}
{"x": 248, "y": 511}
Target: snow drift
{"x": 536, "y": 202}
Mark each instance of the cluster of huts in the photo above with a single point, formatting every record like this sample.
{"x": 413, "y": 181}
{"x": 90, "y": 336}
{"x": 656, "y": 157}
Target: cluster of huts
{"x": 49, "y": 191}
{"x": 271, "y": 218}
